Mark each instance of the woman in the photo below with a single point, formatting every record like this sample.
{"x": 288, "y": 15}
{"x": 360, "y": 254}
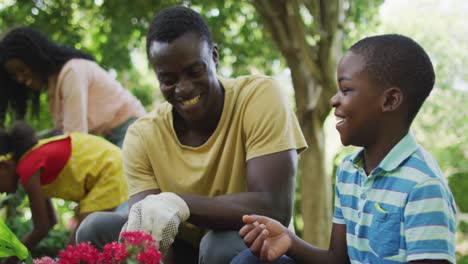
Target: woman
{"x": 82, "y": 96}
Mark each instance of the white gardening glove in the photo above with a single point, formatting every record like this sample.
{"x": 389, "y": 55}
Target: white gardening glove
{"x": 160, "y": 216}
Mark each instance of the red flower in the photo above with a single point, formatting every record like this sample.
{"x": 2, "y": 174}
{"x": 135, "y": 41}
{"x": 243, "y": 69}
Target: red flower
{"x": 83, "y": 252}
{"x": 137, "y": 237}
{"x": 149, "y": 256}
{"x": 113, "y": 253}
{"x": 137, "y": 246}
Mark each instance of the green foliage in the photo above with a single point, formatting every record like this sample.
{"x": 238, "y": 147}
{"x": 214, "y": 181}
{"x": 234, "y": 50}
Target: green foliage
{"x": 441, "y": 128}
{"x": 463, "y": 226}
{"x": 112, "y": 29}
{"x": 18, "y": 220}
{"x": 439, "y": 29}
{"x": 360, "y": 16}
{"x": 462, "y": 259}
{"x": 459, "y": 184}
{"x": 10, "y": 244}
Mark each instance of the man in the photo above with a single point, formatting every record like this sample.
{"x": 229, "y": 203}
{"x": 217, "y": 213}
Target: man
{"x": 216, "y": 150}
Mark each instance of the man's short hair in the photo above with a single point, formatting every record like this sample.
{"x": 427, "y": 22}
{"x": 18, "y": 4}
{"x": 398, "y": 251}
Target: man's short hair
{"x": 173, "y": 22}
{"x": 394, "y": 60}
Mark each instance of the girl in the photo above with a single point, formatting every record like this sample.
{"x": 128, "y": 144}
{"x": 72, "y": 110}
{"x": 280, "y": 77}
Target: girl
{"x": 77, "y": 167}
{"x": 82, "y": 96}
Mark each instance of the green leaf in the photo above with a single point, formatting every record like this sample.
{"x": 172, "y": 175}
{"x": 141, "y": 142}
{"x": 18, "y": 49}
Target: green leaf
{"x": 29, "y": 259}
{"x": 9, "y": 243}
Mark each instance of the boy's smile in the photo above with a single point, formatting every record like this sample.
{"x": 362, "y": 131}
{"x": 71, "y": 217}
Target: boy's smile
{"x": 357, "y": 102}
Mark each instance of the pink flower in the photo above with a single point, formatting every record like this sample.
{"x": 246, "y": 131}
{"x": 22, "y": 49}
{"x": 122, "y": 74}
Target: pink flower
{"x": 44, "y": 260}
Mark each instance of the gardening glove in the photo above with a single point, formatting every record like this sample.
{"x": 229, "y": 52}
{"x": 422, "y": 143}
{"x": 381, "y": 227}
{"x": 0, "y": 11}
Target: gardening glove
{"x": 160, "y": 216}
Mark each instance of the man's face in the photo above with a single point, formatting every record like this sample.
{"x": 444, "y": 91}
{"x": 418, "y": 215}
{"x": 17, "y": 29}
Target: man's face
{"x": 186, "y": 70}
{"x": 357, "y": 103}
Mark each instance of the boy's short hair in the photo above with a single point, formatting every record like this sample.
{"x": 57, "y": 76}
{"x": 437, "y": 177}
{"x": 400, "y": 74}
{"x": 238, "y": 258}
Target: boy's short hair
{"x": 173, "y": 22}
{"x": 394, "y": 60}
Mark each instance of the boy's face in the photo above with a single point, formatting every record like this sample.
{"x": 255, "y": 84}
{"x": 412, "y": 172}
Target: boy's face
{"x": 8, "y": 179}
{"x": 186, "y": 70}
{"x": 357, "y": 103}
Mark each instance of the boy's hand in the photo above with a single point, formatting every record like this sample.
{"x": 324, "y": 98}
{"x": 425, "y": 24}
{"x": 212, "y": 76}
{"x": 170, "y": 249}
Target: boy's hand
{"x": 267, "y": 238}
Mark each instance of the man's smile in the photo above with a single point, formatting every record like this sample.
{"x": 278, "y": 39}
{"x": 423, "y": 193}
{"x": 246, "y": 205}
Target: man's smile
{"x": 191, "y": 102}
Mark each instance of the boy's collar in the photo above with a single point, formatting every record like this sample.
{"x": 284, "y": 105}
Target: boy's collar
{"x": 400, "y": 152}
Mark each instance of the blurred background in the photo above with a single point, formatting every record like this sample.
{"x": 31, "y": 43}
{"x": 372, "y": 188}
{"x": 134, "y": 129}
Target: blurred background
{"x": 298, "y": 42}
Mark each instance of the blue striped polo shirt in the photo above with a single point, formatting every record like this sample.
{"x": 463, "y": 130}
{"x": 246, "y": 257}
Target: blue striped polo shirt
{"x": 403, "y": 211}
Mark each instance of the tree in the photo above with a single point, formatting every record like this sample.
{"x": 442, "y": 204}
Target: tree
{"x": 309, "y": 35}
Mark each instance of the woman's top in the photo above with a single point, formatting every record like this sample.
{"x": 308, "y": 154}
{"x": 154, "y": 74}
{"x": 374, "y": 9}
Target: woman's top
{"x": 86, "y": 98}
{"x": 78, "y": 167}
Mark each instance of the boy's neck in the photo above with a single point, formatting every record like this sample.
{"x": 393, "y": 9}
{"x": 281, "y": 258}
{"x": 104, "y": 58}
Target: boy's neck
{"x": 375, "y": 153}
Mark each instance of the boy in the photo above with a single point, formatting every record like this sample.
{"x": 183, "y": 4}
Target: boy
{"x": 392, "y": 204}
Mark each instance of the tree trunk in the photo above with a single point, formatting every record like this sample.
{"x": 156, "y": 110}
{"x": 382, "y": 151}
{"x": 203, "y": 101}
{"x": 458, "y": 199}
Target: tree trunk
{"x": 309, "y": 49}
{"x": 315, "y": 185}
{"x": 316, "y": 206}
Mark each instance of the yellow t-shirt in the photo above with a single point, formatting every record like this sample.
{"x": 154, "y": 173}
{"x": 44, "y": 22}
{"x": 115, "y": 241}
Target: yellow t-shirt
{"x": 257, "y": 120}
{"x": 92, "y": 176}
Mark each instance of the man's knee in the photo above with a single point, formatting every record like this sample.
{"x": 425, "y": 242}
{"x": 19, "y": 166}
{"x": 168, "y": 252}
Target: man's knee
{"x": 220, "y": 247}
{"x": 100, "y": 228}
{"x": 245, "y": 257}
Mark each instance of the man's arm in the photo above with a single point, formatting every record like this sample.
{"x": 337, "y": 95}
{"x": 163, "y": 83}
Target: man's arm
{"x": 270, "y": 190}
{"x": 140, "y": 196}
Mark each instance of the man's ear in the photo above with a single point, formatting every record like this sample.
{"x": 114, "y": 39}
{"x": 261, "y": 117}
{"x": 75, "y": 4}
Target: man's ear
{"x": 215, "y": 54}
{"x": 393, "y": 98}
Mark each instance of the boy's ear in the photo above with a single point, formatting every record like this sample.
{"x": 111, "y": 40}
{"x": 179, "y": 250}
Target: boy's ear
{"x": 393, "y": 98}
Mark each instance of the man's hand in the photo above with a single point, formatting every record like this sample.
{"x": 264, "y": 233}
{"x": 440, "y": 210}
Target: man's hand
{"x": 267, "y": 238}
{"x": 159, "y": 215}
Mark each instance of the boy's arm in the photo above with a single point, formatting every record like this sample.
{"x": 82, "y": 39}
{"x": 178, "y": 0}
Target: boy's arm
{"x": 337, "y": 252}
{"x": 430, "y": 261}
{"x": 41, "y": 210}
{"x": 269, "y": 240}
